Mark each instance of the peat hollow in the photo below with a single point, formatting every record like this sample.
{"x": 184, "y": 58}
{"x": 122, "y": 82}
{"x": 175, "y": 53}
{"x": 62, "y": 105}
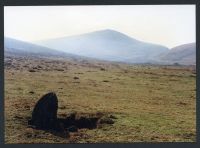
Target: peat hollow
{"x": 44, "y": 117}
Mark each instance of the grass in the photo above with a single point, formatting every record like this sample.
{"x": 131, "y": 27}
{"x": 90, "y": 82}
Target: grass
{"x": 151, "y": 103}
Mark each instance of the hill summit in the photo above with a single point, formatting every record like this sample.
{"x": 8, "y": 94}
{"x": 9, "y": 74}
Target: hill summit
{"x": 108, "y": 45}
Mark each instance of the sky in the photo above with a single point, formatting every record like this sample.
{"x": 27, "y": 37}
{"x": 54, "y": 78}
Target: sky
{"x": 168, "y": 25}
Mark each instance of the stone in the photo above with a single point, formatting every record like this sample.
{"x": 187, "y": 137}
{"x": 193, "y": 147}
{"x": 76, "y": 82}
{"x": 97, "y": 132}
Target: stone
{"x": 31, "y": 92}
{"x": 44, "y": 115}
{"x": 76, "y": 78}
{"x": 32, "y": 70}
{"x": 102, "y": 69}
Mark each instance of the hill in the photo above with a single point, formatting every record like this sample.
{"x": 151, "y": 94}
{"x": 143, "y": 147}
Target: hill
{"x": 17, "y": 47}
{"x": 183, "y": 54}
{"x": 107, "y": 45}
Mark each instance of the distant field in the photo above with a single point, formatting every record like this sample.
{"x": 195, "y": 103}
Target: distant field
{"x": 151, "y": 103}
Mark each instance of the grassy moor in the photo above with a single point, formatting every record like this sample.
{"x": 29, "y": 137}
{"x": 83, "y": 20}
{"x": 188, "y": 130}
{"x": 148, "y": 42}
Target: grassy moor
{"x": 147, "y": 103}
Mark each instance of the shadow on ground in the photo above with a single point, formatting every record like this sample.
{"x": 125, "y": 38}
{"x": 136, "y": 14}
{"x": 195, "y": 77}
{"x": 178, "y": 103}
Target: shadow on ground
{"x": 73, "y": 122}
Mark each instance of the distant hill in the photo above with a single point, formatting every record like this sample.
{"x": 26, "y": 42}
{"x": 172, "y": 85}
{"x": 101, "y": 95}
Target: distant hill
{"x": 107, "y": 45}
{"x": 183, "y": 54}
{"x": 16, "y": 47}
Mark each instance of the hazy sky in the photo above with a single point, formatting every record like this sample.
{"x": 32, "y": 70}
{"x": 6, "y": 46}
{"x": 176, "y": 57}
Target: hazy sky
{"x": 169, "y": 25}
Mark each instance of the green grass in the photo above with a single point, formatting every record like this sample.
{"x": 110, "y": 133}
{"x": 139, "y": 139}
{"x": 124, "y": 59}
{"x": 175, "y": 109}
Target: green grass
{"x": 151, "y": 103}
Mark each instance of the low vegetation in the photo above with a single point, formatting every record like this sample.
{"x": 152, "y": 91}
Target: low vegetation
{"x": 147, "y": 103}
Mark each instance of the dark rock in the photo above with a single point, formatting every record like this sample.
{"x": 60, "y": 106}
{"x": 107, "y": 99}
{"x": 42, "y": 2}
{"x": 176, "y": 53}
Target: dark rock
{"x": 182, "y": 103}
{"x": 76, "y": 78}
{"x": 31, "y": 92}
{"x": 59, "y": 69}
{"x": 44, "y": 115}
{"x": 32, "y": 70}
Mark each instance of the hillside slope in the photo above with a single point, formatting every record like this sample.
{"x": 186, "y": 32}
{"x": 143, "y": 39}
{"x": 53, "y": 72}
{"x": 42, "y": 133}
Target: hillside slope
{"x": 183, "y": 54}
{"x": 17, "y": 47}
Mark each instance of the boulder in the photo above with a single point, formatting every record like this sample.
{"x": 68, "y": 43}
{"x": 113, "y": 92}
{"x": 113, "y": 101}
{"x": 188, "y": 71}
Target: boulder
{"x": 44, "y": 115}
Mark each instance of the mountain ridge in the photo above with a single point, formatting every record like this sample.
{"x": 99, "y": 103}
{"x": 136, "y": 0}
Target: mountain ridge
{"x": 106, "y": 45}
